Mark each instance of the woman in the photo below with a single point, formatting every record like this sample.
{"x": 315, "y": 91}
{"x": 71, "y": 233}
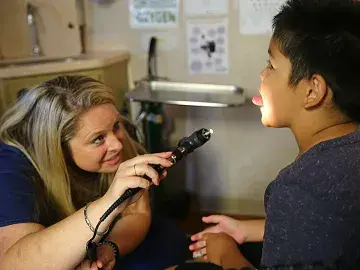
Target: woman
{"x": 64, "y": 145}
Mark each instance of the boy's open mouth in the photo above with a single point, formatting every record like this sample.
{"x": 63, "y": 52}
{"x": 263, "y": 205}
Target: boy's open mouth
{"x": 258, "y": 101}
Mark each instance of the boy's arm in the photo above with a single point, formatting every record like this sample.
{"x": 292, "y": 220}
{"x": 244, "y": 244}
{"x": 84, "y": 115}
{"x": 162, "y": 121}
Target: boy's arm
{"x": 253, "y": 229}
{"x": 241, "y": 230}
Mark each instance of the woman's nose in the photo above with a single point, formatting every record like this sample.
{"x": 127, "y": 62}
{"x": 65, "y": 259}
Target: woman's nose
{"x": 114, "y": 144}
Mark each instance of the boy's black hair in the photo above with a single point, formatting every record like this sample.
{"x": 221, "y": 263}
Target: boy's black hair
{"x": 323, "y": 37}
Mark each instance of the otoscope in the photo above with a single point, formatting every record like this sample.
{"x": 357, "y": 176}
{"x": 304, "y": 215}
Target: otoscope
{"x": 185, "y": 146}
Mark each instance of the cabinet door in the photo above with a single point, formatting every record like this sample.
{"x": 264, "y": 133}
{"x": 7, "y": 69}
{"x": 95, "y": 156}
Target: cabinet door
{"x": 11, "y": 87}
{"x": 116, "y": 77}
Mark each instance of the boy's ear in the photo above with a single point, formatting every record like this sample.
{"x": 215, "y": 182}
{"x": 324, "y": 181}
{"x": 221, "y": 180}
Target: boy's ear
{"x": 316, "y": 91}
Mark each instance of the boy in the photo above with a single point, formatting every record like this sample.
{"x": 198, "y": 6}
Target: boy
{"x": 310, "y": 85}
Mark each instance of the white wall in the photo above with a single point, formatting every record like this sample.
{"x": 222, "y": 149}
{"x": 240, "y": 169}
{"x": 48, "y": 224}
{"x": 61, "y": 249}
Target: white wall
{"x": 229, "y": 173}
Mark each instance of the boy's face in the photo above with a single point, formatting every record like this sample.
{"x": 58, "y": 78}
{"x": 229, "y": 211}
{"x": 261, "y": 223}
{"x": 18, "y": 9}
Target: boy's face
{"x": 278, "y": 102}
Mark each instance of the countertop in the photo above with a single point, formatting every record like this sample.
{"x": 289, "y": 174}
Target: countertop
{"x": 188, "y": 94}
{"x": 42, "y": 65}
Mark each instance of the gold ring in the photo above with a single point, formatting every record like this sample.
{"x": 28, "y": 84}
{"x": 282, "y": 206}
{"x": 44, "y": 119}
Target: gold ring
{"x": 135, "y": 170}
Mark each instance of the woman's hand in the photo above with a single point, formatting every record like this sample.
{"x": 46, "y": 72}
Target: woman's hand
{"x": 105, "y": 260}
{"x": 131, "y": 173}
{"x": 218, "y": 244}
{"x": 87, "y": 265}
{"x": 106, "y": 257}
{"x": 232, "y": 227}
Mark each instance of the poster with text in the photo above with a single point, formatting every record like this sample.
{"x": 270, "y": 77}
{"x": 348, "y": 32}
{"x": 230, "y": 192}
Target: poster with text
{"x": 206, "y": 7}
{"x": 208, "y": 47}
{"x": 255, "y": 16}
{"x": 154, "y": 13}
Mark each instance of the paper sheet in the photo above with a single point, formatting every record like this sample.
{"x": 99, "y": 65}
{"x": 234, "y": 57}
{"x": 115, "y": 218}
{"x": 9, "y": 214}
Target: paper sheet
{"x": 255, "y": 16}
{"x": 208, "y": 47}
{"x": 154, "y": 13}
{"x": 206, "y": 7}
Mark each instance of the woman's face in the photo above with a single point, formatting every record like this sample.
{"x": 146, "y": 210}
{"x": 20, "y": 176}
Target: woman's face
{"x": 98, "y": 143}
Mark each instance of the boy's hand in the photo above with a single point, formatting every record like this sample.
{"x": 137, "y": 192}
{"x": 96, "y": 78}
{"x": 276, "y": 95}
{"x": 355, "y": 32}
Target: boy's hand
{"x": 232, "y": 227}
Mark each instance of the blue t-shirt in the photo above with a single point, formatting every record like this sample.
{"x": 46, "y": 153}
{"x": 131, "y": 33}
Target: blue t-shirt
{"x": 313, "y": 207}
{"x": 18, "y": 202}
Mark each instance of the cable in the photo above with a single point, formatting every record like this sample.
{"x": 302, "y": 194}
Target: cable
{"x": 152, "y": 64}
{"x": 185, "y": 146}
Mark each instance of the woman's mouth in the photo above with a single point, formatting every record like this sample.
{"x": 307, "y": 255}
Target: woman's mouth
{"x": 258, "y": 101}
{"x": 114, "y": 160}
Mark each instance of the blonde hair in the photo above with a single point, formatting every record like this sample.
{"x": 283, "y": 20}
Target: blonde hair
{"x": 41, "y": 124}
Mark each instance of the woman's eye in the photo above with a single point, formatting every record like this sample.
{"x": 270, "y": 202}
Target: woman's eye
{"x": 117, "y": 126}
{"x": 99, "y": 139}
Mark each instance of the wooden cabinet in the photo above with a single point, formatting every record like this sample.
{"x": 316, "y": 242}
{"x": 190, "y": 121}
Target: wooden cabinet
{"x": 115, "y": 76}
{"x": 56, "y": 24}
